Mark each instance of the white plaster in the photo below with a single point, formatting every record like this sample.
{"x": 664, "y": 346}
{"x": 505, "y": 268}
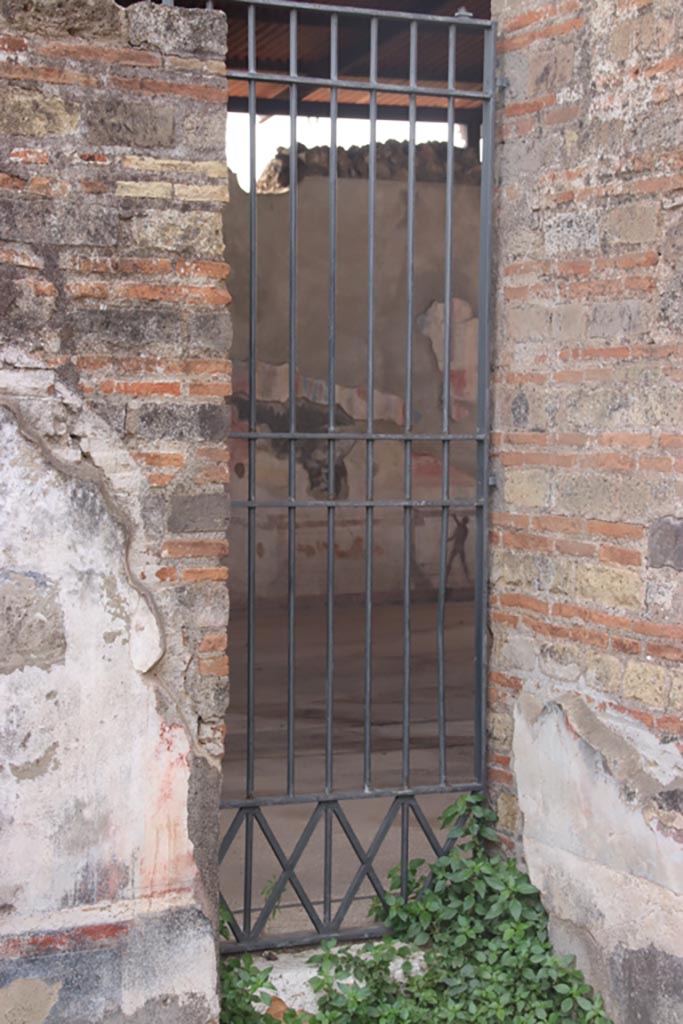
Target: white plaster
{"x": 146, "y": 641}
{"x": 106, "y": 819}
{"x": 599, "y": 858}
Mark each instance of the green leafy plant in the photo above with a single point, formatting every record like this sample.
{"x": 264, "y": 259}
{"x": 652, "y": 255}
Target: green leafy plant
{"x": 468, "y": 943}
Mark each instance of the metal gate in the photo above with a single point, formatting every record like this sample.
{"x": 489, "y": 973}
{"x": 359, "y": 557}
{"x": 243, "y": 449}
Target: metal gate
{"x": 338, "y": 77}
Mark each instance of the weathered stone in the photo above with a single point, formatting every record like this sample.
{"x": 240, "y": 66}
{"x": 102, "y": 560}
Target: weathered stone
{"x": 567, "y": 233}
{"x": 603, "y": 671}
{"x": 562, "y": 661}
{"x": 665, "y": 543}
{"x": 180, "y": 422}
{"x": 676, "y": 691}
{"x": 569, "y": 322}
{"x": 32, "y": 621}
{"x": 507, "y": 809}
{"x": 391, "y": 164}
{"x": 607, "y": 495}
{"x": 199, "y": 513}
{"x": 526, "y": 488}
{"x": 29, "y": 111}
{"x": 646, "y": 682}
{"x": 77, "y": 221}
{"x": 100, "y": 18}
{"x": 632, "y": 222}
{"x": 119, "y": 329}
{"x": 115, "y": 121}
{"x": 518, "y": 654}
{"x": 500, "y": 727}
{"x": 198, "y": 231}
{"x": 529, "y": 323}
{"x": 622, "y": 319}
{"x": 609, "y": 586}
{"x": 550, "y": 69}
{"x": 177, "y": 32}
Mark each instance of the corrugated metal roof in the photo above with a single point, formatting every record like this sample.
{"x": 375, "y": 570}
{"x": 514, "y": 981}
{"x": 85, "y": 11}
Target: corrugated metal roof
{"x": 313, "y": 45}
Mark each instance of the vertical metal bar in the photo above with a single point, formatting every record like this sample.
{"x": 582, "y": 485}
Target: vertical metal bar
{"x": 369, "y": 465}
{"x": 291, "y": 512}
{"x": 405, "y": 846}
{"x": 248, "y": 869}
{"x": 407, "y": 511}
{"x": 327, "y": 869}
{"x": 446, "y": 417}
{"x": 486, "y": 213}
{"x": 251, "y": 515}
{"x": 331, "y": 377}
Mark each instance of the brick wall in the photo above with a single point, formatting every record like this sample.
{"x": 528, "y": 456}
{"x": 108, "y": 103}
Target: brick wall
{"x": 586, "y": 588}
{"x": 113, "y": 385}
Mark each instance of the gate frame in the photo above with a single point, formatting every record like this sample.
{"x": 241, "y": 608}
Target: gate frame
{"x": 328, "y": 803}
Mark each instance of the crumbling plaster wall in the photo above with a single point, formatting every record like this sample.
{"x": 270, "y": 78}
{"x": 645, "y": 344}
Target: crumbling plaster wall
{"x": 113, "y": 599}
{"x": 586, "y": 685}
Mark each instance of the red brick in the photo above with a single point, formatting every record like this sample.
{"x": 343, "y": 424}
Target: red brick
{"x": 601, "y": 528}
{"x": 176, "y": 459}
{"x": 159, "y": 87}
{"x": 203, "y": 268}
{"x": 214, "y": 666}
{"x": 194, "y": 548}
{"x": 140, "y": 388}
{"x": 160, "y": 479}
{"x": 622, "y": 556}
{"x": 218, "y": 474}
{"x": 672, "y": 441}
{"x": 214, "y": 454}
{"x": 213, "y": 642}
{"x": 207, "y": 295}
{"x": 168, "y": 572}
{"x": 655, "y": 463}
{"x": 626, "y": 645}
{"x": 13, "y": 182}
{"x": 609, "y": 461}
{"x": 526, "y": 541}
{"x": 101, "y": 54}
{"x": 558, "y": 524}
{"x": 213, "y": 390}
{"x": 624, "y": 440}
{"x": 94, "y": 158}
{"x": 528, "y": 106}
{"x": 204, "y": 575}
{"x": 29, "y": 156}
{"x": 13, "y": 44}
{"x": 532, "y": 604}
{"x": 521, "y": 41}
{"x": 55, "y": 76}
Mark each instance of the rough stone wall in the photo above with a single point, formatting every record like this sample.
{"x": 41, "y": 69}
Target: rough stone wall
{"x": 586, "y": 586}
{"x": 113, "y": 599}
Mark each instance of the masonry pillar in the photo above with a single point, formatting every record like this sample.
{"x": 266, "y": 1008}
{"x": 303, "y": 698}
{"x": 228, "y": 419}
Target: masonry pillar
{"x": 113, "y": 387}
{"x": 586, "y": 683}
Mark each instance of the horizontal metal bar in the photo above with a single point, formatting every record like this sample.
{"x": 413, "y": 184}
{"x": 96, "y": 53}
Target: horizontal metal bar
{"x": 302, "y": 939}
{"x": 464, "y": 20}
{"x": 334, "y": 503}
{"x": 361, "y": 111}
{"x": 309, "y": 798}
{"x": 354, "y": 85}
{"x": 342, "y": 435}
